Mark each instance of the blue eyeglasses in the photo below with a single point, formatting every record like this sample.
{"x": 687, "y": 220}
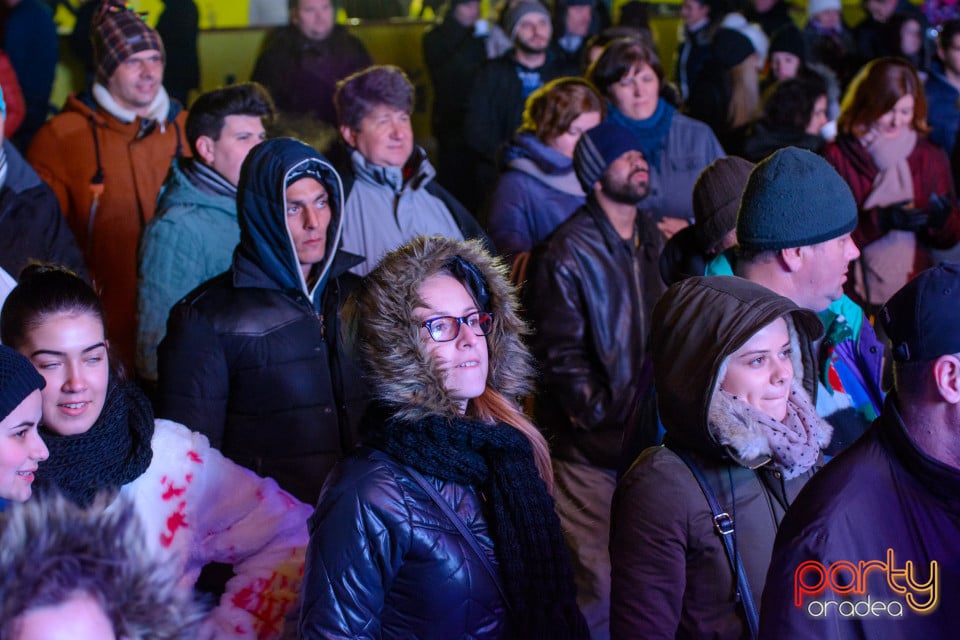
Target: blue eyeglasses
{"x": 447, "y": 328}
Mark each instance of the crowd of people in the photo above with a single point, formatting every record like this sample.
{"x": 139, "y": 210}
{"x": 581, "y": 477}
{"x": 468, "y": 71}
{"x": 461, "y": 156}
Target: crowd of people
{"x": 634, "y": 356}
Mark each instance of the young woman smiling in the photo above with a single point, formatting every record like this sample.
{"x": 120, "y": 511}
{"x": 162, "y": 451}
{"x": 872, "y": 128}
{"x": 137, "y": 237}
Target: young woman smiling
{"x": 195, "y": 505}
{"x": 734, "y": 370}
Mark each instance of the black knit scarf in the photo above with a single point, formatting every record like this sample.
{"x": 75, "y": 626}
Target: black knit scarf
{"x": 498, "y": 459}
{"x": 113, "y": 452}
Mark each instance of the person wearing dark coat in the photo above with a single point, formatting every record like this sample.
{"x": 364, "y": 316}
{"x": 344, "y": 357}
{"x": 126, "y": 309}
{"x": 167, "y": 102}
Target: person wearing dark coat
{"x": 31, "y": 225}
{"x": 252, "y": 358}
{"x": 503, "y": 85}
{"x": 453, "y": 52}
{"x": 28, "y": 35}
{"x": 735, "y": 374}
{"x": 794, "y": 112}
{"x": 700, "y": 21}
{"x": 590, "y": 289}
{"x": 443, "y": 525}
{"x": 301, "y": 63}
{"x": 716, "y": 200}
{"x": 891, "y": 502}
{"x": 769, "y": 14}
{"x": 873, "y": 35}
{"x": 179, "y": 26}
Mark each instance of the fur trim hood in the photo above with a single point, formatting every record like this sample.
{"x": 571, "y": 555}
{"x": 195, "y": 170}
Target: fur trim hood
{"x": 49, "y": 546}
{"x": 697, "y": 324}
{"x": 401, "y": 375}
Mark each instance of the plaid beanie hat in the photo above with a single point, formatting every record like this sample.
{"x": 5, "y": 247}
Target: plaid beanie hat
{"x": 118, "y": 33}
{"x": 716, "y": 199}
{"x": 517, "y": 11}
{"x": 597, "y": 148}
{"x": 18, "y": 379}
{"x": 794, "y": 198}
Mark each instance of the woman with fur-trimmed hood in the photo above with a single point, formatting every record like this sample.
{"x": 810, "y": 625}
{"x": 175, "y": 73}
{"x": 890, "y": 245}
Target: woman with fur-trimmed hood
{"x": 85, "y": 573}
{"x": 442, "y": 526}
{"x": 734, "y": 372}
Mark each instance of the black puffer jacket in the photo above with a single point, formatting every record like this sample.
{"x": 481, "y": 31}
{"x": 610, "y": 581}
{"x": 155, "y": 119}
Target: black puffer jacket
{"x": 252, "y": 358}
{"x": 384, "y": 561}
{"x": 31, "y": 225}
{"x": 589, "y": 297}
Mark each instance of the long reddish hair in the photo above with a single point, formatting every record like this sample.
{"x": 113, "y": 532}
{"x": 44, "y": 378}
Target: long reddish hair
{"x": 875, "y": 90}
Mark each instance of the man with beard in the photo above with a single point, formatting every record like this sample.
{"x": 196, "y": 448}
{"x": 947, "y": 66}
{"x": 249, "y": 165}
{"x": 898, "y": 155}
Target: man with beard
{"x": 591, "y": 288}
{"x": 503, "y": 85}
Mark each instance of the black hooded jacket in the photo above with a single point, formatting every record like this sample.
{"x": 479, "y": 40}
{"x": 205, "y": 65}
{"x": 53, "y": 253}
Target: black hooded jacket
{"x": 252, "y": 358}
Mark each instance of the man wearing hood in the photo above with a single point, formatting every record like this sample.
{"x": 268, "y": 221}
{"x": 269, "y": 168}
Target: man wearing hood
{"x": 252, "y": 358}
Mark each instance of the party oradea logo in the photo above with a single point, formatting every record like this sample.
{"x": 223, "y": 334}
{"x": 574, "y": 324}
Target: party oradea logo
{"x": 866, "y": 588}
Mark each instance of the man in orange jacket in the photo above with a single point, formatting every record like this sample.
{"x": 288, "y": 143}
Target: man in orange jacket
{"x": 106, "y": 155}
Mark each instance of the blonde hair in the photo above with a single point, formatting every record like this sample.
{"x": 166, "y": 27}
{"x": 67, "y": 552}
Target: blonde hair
{"x": 745, "y": 92}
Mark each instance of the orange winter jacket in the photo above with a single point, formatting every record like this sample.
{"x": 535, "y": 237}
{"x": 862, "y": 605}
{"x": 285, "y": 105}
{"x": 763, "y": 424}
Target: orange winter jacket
{"x": 107, "y": 175}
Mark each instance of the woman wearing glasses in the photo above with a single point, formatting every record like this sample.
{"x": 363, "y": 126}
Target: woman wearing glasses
{"x": 443, "y": 525}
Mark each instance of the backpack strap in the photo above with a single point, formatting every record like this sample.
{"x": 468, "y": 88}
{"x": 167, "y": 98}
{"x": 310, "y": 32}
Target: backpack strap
{"x": 723, "y": 524}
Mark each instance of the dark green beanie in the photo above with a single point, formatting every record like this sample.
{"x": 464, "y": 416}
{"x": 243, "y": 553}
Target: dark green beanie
{"x": 794, "y": 198}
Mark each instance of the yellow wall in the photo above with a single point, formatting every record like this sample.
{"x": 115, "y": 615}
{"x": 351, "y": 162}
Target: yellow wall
{"x": 227, "y": 52}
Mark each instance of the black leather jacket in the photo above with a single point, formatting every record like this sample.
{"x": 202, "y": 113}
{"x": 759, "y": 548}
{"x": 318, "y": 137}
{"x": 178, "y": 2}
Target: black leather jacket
{"x": 589, "y": 297}
{"x": 388, "y": 563}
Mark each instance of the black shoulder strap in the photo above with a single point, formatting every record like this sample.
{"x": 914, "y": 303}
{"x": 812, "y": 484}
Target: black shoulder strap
{"x": 723, "y": 523}
{"x": 454, "y": 518}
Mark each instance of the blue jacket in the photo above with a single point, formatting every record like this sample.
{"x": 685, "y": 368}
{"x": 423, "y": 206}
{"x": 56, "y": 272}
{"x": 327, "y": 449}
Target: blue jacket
{"x": 942, "y": 114}
{"x": 536, "y": 192}
{"x": 190, "y": 239}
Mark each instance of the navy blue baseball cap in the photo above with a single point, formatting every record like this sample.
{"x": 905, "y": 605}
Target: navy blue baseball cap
{"x": 922, "y": 319}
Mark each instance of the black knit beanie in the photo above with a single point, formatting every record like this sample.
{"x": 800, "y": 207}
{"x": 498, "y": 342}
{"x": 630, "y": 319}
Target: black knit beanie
{"x": 18, "y": 379}
{"x": 789, "y": 39}
{"x": 794, "y": 198}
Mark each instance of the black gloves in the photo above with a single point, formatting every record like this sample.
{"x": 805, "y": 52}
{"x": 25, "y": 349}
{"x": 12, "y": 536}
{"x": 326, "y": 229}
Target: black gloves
{"x": 938, "y": 210}
{"x": 896, "y": 216}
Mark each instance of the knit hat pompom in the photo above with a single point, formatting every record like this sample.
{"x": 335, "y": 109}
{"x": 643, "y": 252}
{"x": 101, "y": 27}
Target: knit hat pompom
{"x": 18, "y": 379}
{"x": 118, "y": 33}
{"x": 716, "y": 199}
{"x": 598, "y": 148}
{"x": 794, "y": 198}
{"x": 513, "y": 16}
